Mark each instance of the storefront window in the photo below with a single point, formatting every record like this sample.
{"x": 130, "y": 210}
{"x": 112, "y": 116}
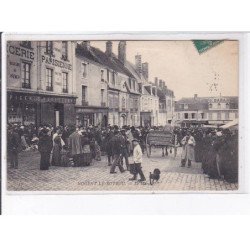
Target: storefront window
{"x": 49, "y": 79}
{"x": 26, "y": 75}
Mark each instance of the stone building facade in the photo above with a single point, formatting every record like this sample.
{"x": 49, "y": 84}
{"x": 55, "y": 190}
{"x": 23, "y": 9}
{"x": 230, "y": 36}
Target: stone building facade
{"x": 40, "y": 87}
{"x": 91, "y": 89}
{"x": 68, "y": 83}
{"x": 206, "y": 110}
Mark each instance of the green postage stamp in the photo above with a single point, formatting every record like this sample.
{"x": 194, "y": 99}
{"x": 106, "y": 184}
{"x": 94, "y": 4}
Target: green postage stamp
{"x": 204, "y": 45}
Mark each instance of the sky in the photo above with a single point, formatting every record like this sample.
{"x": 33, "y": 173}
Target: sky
{"x": 184, "y": 70}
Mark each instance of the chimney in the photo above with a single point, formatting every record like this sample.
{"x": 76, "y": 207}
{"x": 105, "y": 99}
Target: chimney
{"x": 122, "y": 51}
{"x": 108, "y": 48}
{"x": 86, "y": 45}
{"x": 145, "y": 70}
{"x": 138, "y": 66}
{"x": 156, "y": 81}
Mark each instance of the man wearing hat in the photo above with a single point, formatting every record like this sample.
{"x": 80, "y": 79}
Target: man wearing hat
{"x": 116, "y": 143}
{"x": 13, "y": 145}
{"x": 137, "y": 156}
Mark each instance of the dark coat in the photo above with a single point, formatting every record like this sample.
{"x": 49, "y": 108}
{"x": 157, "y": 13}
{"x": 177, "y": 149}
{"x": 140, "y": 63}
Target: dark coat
{"x": 45, "y": 144}
{"x": 117, "y": 142}
{"x": 14, "y": 142}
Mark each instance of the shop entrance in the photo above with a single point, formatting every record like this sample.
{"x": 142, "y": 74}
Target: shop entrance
{"x": 104, "y": 121}
{"x": 59, "y": 115}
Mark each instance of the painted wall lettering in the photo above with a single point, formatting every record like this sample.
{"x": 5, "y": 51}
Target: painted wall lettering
{"x": 20, "y": 52}
{"x": 57, "y": 63}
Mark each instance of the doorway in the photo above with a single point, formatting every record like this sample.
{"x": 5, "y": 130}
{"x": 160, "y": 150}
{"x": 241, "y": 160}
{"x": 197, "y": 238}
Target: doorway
{"x": 59, "y": 115}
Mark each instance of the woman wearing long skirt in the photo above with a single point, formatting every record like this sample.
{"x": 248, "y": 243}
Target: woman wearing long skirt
{"x": 45, "y": 146}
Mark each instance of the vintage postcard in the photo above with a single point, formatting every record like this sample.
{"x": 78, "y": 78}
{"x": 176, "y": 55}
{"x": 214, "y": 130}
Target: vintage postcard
{"x": 124, "y": 115}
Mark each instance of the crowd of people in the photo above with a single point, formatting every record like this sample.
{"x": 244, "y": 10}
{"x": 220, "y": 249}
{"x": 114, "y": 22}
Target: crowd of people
{"x": 66, "y": 146}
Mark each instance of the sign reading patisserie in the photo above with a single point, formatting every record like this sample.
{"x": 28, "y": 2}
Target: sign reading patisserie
{"x": 57, "y": 63}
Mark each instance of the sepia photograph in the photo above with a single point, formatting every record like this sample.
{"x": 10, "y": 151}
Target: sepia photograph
{"x": 122, "y": 115}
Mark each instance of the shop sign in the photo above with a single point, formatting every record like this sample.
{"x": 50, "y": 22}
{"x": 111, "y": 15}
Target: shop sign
{"x": 56, "y": 63}
{"x": 22, "y": 52}
{"x": 42, "y": 99}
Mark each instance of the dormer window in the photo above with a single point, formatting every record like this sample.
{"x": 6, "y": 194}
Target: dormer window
{"x": 185, "y": 106}
{"x": 227, "y": 105}
{"x": 210, "y": 105}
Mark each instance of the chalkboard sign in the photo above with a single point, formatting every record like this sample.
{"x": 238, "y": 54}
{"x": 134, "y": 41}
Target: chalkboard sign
{"x": 160, "y": 138}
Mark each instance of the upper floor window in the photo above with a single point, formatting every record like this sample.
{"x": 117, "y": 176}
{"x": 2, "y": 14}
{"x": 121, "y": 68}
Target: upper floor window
{"x": 193, "y": 115}
{"x": 123, "y": 103}
{"x": 26, "y": 44}
{"x": 84, "y": 93}
{"x": 102, "y": 75}
{"x": 113, "y": 78}
{"x": 49, "y": 47}
{"x": 65, "y": 50}
{"x": 102, "y": 95}
{"x": 185, "y": 115}
{"x": 49, "y": 79}
{"x": 84, "y": 70}
{"x": 107, "y": 75}
{"x": 65, "y": 82}
{"x": 26, "y": 75}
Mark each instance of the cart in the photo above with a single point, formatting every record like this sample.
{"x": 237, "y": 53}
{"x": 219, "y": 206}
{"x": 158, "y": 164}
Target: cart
{"x": 159, "y": 139}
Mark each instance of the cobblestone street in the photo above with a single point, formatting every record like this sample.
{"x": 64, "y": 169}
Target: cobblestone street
{"x": 97, "y": 178}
